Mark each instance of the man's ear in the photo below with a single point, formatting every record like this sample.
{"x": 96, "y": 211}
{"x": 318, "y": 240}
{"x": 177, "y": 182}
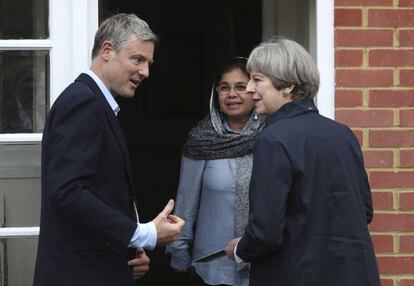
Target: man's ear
{"x": 106, "y": 50}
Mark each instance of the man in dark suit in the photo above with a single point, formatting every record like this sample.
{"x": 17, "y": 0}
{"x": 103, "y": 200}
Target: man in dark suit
{"x": 89, "y": 231}
{"x": 310, "y": 201}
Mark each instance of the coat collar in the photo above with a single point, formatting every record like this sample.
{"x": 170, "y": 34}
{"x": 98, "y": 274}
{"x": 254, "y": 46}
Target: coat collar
{"x": 113, "y": 122}
{"x": 108, "y": 96}
{"x": 85, "y": 78}
{"x": 292, "y": 109}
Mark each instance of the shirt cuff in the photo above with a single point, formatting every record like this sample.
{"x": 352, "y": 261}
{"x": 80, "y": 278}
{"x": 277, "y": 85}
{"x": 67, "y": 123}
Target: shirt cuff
{"x": 236, "y": 257}
{"x": 145, "y": 236}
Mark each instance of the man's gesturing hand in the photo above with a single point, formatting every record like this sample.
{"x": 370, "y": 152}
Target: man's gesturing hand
{"x": 168, "y": 226}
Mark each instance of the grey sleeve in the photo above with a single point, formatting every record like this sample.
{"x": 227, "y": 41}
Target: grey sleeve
{"x": 186, "y": 207}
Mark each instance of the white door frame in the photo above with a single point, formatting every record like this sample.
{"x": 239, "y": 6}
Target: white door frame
{"x": 72, "y": 27}
{"x": 325, "y": 54}
{"x": 321, "y": 45}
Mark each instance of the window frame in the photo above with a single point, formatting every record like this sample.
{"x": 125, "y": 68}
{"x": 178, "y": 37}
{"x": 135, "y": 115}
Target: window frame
{"x": 69, "y": 47}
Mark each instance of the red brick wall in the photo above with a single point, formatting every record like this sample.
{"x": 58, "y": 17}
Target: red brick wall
{"x": 374, "y": 60}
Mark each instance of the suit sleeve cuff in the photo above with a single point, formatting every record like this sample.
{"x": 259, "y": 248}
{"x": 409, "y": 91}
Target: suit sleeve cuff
{"x": 145, "y": 236}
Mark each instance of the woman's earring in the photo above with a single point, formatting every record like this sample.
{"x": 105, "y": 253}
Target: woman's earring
{"x": 255, "y": 116}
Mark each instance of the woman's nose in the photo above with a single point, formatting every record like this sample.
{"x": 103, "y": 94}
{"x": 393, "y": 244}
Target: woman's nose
{"x": 232, "y": 92}
{"x": 250, "y": 89}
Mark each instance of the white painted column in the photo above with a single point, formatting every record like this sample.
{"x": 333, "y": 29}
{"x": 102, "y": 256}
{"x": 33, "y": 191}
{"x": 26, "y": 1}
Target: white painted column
{"x": 325, "y": 100}
{"x": 73, "y": 24}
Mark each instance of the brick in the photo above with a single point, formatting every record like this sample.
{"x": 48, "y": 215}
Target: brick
{"x": 363, "y": 2}
{"x": 348, "y": 98}
{"x": 396, "y": 265}
{"x": 348, "y": 58}
{"x": 391, "y": 138}
{"x": 407, "y": 244}
{"x": 392, "y": 222}
{"x": 387, "y": 180}
{"x": 383, "y": 243}
{"x": 407, "y": 77}
{"x": 391, "y": 18}
{"x": 406, "y": 3}
{"x": 406, "y": 282}
{"x": 407, "y": 158}
{"x": 382, "y": 200}
{"x": 365, "y": 118}
{"x": 364, "y": 78}
{"x": 391, "y": 58}
{"x": 407, "y": 201}
{"x": 358, "y": 135}
{"x": 387, "y": 282}
{"x": 378, "y": 159}
{"x": 348, "y": 17}
{"x": 391, "y": 98}
{"x": 407, "y": 118}
{"x": 363, "y": 38}
{"x": 406, "y": 38}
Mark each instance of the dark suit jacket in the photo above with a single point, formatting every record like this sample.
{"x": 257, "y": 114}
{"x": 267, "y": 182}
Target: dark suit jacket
{"x": 87, "y": 217}
{"x": 310, "y": 203}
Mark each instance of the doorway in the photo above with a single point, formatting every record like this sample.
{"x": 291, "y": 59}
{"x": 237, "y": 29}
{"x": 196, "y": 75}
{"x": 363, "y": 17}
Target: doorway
{"x": 196, "y": 38}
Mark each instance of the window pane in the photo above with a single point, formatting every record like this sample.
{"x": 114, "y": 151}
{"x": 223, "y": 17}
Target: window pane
{"x": 24, "y": 19}
{"x": 19, "y": 185}
{"x": 24, "y": 91}
{"x": 17, "y": 260}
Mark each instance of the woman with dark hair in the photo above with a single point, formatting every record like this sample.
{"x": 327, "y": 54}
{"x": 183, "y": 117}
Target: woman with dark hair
{"x": 212, "y": 195}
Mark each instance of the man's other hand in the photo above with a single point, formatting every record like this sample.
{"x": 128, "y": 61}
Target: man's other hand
{"x": 140, "y": 264}
{"x": 168, "y": 226}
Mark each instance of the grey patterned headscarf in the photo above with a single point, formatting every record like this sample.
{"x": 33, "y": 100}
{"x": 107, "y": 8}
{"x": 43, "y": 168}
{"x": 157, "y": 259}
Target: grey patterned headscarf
{"x": 210, "y": 140}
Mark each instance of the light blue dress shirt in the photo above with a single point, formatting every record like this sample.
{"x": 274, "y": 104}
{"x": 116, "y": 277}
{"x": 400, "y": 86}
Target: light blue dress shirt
{"x": 145, "y": 235}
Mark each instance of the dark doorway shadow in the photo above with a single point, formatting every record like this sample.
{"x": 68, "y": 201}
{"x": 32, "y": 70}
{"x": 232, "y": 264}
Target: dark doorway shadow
{"x": 196, "y": 38}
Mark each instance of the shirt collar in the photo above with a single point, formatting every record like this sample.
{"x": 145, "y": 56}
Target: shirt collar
{"x": 108, "y": 96}
{"x": 228, "y": 128}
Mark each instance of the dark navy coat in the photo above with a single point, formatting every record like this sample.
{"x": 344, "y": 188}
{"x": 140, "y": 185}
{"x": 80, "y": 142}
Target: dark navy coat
{"x": 87, "y": 219}
{"x": 310, "y": 204}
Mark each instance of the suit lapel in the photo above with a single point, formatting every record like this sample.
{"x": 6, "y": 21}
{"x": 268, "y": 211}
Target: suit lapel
{"x": 113, "y": 123}
{"x": 119, "y": 136}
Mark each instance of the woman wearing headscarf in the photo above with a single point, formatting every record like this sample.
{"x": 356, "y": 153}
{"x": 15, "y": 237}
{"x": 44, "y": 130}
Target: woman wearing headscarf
{"x": 212, "y": 195}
